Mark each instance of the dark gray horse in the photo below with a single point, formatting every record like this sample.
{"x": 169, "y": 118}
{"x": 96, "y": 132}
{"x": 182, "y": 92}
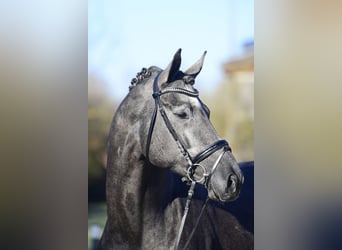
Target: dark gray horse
{"x": 160, "y": 130}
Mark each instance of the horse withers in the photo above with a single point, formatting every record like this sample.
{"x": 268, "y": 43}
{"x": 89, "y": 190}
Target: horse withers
{"x": 160, "y": 129}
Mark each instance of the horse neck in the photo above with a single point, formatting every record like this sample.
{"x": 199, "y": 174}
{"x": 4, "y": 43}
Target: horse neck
{"x": 137, "y": 192}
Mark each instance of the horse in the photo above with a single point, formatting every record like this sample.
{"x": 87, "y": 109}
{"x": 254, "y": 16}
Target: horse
{"x": 161, "y": 131}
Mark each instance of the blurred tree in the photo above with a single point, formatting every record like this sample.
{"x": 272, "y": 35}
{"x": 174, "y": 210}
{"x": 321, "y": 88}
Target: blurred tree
{"x": 101, "y": 108}
{"x": 232, "y": 104}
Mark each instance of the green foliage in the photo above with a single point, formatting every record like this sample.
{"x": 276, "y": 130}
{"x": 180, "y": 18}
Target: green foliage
{"x": 97, "y": 215}
{"x": 244, "y": 132}
{"x": 232, "y": 118}
{"x": 101, "y": 108}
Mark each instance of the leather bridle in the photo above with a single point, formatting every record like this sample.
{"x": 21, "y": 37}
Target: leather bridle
{"x": 193, "y": 162}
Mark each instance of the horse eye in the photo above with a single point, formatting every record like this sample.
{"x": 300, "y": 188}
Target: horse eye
{"x": 182, "y": 115}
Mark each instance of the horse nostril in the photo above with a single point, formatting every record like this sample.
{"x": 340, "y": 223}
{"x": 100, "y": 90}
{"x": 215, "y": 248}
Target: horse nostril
{"x": 231, "y": 183}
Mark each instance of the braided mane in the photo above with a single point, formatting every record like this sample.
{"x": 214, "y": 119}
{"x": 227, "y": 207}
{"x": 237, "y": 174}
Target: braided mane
{"x": 143, "y": 75}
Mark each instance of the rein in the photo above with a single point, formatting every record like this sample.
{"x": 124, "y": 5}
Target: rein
{"x": 194, "y": 162}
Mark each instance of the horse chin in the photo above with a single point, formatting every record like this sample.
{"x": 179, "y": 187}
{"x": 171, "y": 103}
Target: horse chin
{"x": 222, "y": 197}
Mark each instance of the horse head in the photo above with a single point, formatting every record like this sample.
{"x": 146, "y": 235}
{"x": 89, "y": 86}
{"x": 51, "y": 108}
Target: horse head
{"x": 179, "y": 135}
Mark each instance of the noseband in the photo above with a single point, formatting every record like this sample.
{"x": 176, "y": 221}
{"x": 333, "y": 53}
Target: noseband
{"x": 193, "y": 162}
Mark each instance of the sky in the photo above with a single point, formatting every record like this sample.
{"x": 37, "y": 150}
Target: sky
{"x": 124, "y": 36}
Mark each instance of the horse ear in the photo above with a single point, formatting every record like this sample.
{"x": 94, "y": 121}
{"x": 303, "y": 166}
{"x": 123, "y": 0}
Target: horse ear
{"x": 195, "y": 69}
{"x": 172, "y": 69}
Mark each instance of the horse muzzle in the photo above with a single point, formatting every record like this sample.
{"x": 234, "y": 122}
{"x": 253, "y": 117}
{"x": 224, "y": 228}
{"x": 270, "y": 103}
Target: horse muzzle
{"x": 226, "y": 189}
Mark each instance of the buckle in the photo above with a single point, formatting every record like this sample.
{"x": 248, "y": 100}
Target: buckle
{"x": 191, "y": 172}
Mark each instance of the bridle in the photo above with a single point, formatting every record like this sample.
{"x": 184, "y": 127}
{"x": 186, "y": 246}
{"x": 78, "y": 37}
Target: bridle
{"x": 193, "y": 162}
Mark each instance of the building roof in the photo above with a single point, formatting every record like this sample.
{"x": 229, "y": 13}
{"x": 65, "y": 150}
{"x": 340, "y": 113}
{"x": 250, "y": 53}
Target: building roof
{"x": 243, "y": 63}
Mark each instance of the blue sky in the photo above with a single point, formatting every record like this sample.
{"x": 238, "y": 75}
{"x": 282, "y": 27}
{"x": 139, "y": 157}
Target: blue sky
{"x": 124, "y": 36}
